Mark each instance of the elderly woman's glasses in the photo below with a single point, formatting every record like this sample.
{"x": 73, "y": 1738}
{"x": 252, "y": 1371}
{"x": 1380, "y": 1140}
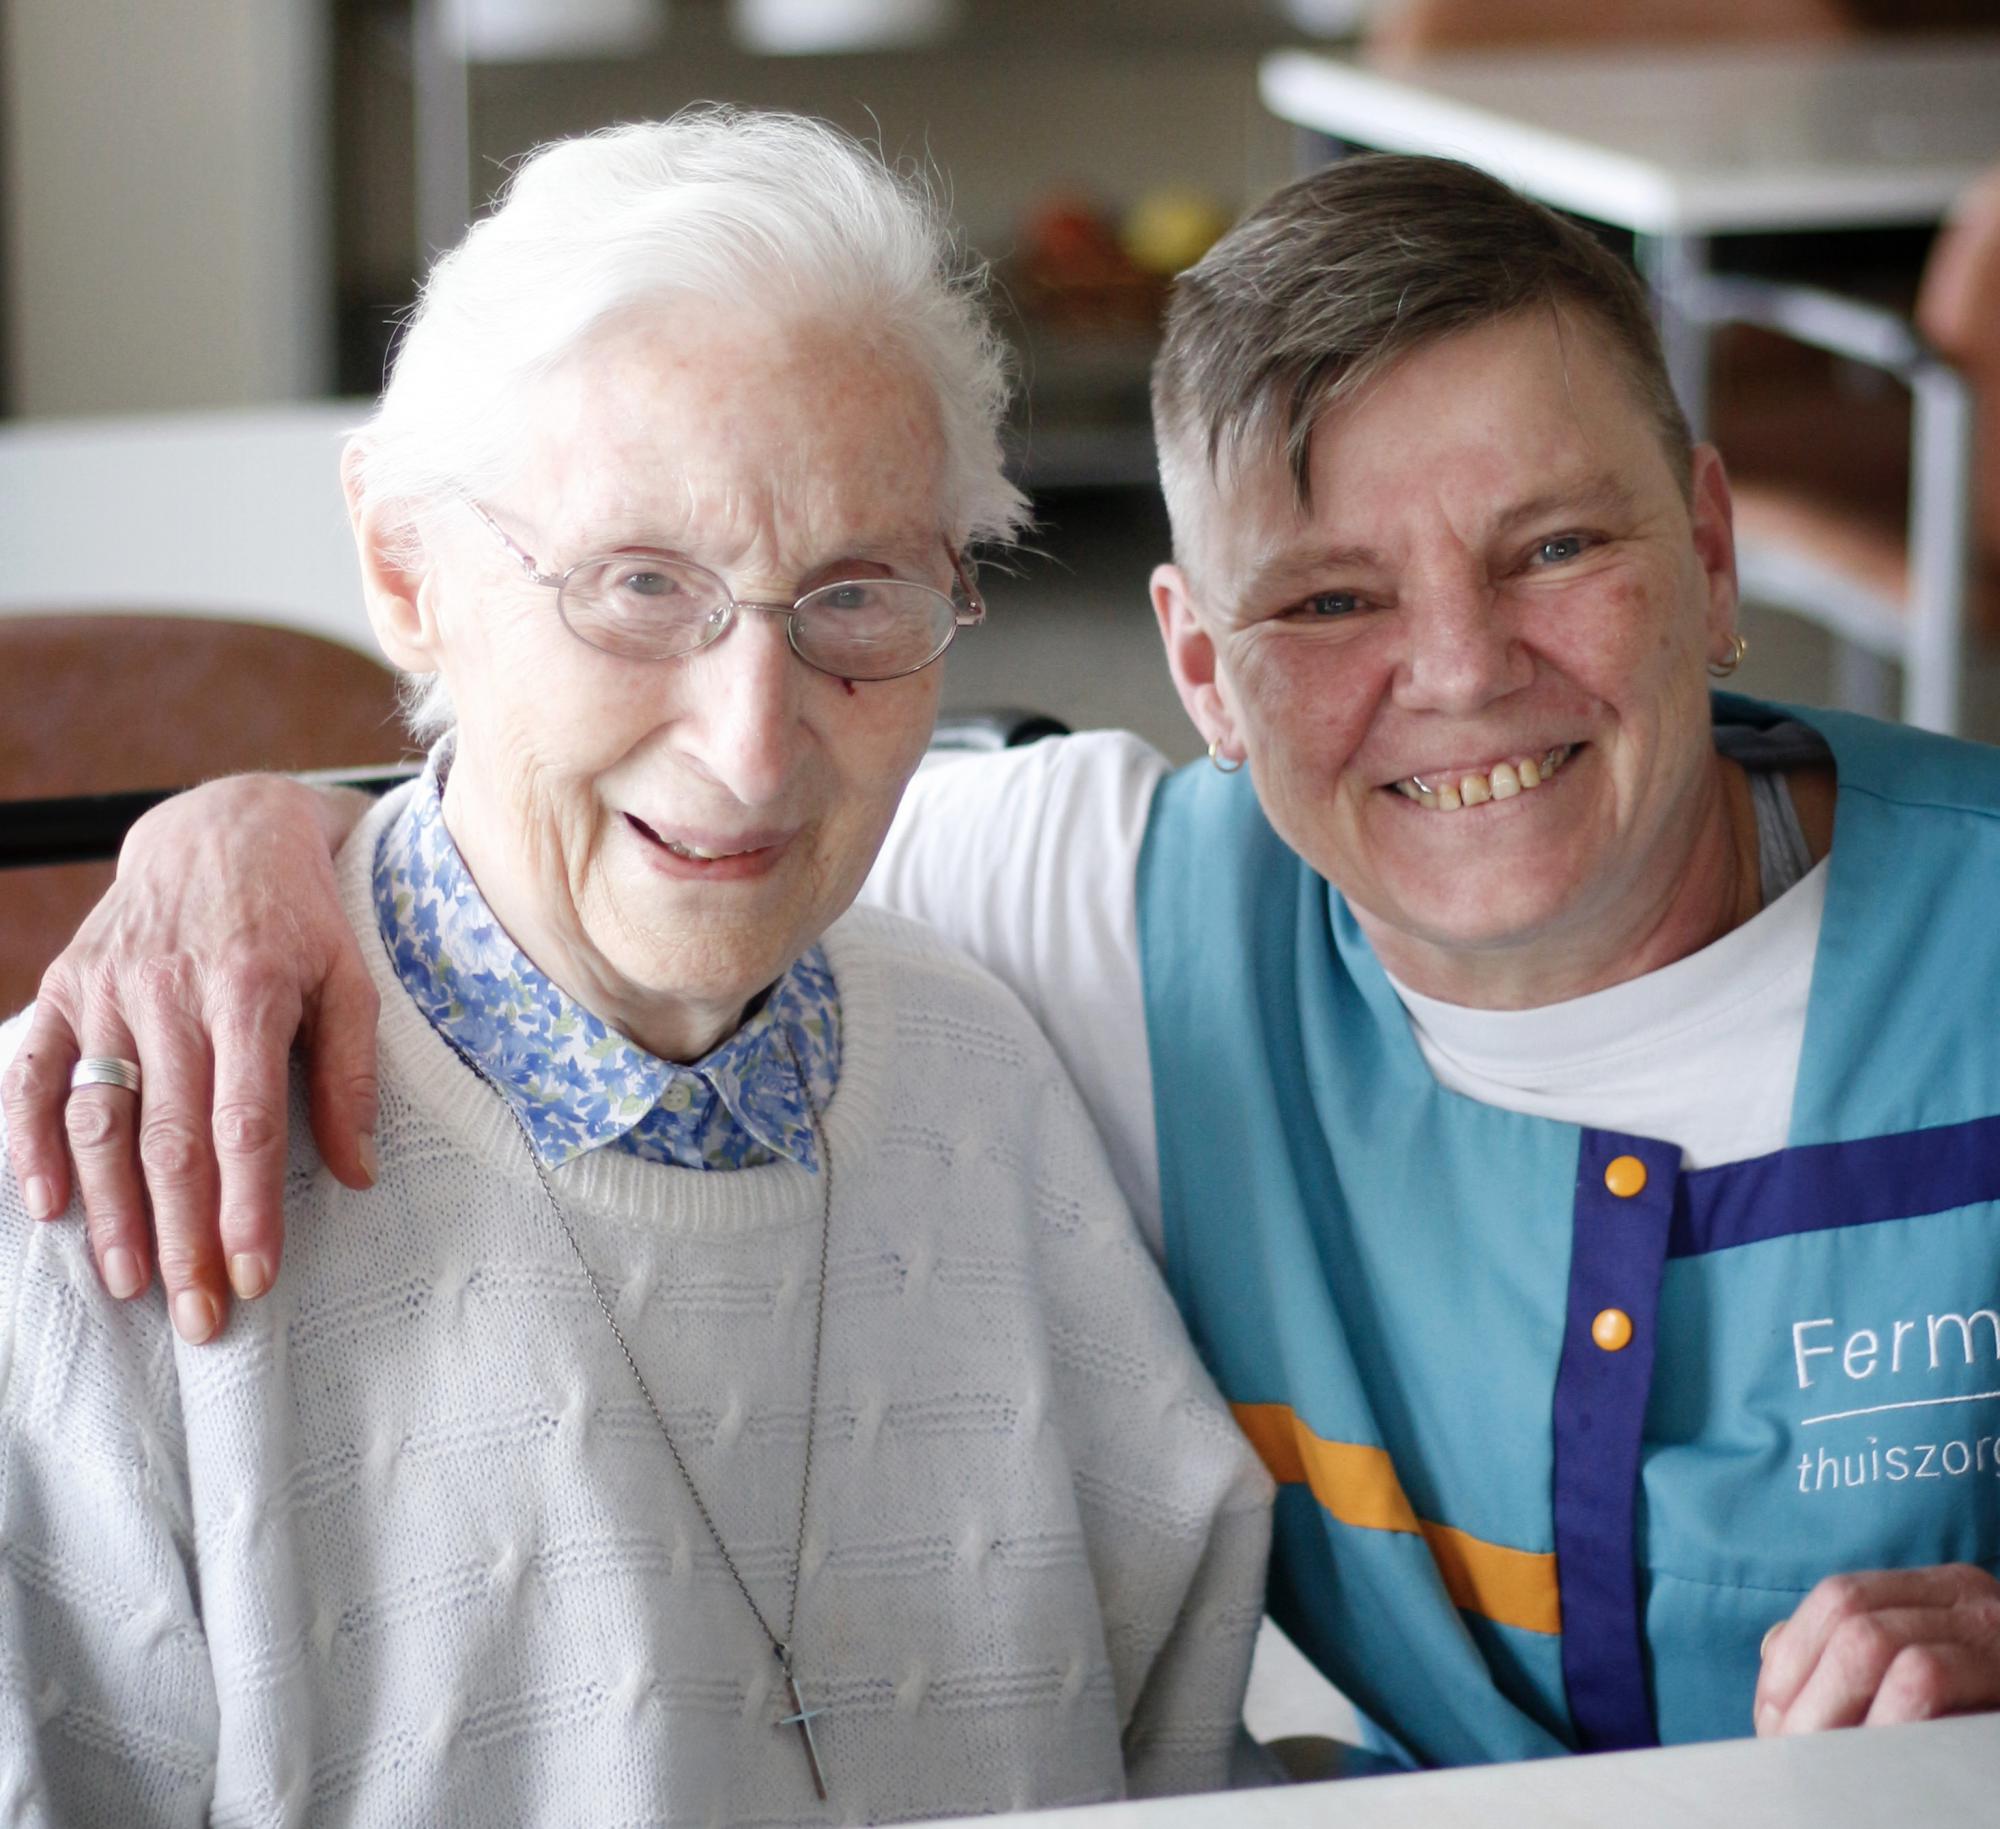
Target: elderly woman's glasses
{"x": 651, "y": 606}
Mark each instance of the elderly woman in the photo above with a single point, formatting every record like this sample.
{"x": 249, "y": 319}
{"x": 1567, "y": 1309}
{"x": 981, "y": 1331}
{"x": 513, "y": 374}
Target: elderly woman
{"x": 741, "y": 1394}
{"x": 1570, "y": 1112}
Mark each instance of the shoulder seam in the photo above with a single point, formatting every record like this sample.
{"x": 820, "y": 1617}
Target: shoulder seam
{"x": 1917, "y": 803}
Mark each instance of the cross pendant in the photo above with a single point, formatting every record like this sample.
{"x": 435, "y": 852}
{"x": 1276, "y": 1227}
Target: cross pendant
{"x": 802, "y": 1718}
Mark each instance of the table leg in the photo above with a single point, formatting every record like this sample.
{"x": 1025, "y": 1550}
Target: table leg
{"x": 1671, "y": 264}
{"x": 1311, "y": 149}
{"x": 1863, "y": 681}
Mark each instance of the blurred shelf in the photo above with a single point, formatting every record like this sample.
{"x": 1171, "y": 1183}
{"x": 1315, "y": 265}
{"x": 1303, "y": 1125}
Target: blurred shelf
{"x": 1084, "y": 419}
{"x": 1030, "y": 100}
{"x": 982, "y": 29}
{"x": 1056, "y": 455}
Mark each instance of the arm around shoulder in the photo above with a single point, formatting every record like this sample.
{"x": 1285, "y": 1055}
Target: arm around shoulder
{"x": 220, "y": 945}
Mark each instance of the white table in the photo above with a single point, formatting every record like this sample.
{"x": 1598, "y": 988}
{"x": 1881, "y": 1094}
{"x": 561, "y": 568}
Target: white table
{"x": 1679, "y": 146}
{"x": 1942, "y": 1773}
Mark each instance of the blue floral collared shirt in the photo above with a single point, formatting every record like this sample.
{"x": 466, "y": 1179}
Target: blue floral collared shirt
{"x": 576, "y": 1084}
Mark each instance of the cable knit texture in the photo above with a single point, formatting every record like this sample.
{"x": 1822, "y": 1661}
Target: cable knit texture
{"x": 406, "y": 1547}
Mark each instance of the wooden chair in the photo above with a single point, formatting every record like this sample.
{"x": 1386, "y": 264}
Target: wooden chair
{"x": 99, "y": 703}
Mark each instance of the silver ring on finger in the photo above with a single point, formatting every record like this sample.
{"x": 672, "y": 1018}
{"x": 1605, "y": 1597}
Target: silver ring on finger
{"x": 105, "y": 1070}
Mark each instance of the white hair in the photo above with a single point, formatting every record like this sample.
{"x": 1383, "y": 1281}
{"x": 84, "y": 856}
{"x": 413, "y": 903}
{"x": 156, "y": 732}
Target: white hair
{"x": 718, "y": 205}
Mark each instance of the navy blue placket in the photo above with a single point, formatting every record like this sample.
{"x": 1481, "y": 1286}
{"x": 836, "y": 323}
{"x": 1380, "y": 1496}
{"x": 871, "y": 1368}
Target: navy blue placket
{"x": 1618, "y": 1251}
{"x": 1819, "y": 1186}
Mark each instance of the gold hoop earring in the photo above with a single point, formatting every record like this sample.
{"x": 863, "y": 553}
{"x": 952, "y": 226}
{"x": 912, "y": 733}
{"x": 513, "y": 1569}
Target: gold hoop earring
{"x": 1739, "y": 646}
{"x": 1215, "y": 757}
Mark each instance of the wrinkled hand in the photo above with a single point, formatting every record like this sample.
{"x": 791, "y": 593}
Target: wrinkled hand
{"x": 1886, "y": 1646}
{"x": 221, "y": 941}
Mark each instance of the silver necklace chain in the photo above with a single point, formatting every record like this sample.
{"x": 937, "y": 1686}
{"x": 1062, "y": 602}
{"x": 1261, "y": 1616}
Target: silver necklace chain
{"x": 801, "y": 1717}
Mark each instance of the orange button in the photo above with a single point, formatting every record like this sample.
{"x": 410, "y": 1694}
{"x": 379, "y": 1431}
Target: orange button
{"x": 1625, "y": 1176}
{"x": 1612, "y": 1330}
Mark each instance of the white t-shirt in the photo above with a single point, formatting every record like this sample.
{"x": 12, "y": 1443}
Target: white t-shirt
{"x": 1029, "y": 858}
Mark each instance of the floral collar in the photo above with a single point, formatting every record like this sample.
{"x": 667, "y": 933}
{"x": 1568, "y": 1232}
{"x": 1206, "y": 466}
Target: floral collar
{"x": 576, "y": 1084}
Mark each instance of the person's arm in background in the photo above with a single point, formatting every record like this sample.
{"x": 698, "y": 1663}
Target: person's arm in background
{"x": 220, "y": 945}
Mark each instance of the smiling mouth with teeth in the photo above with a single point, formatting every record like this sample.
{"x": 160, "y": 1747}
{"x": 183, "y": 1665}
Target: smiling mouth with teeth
{"x": 693, "y": 853}
{"x": 1501, "y": 782}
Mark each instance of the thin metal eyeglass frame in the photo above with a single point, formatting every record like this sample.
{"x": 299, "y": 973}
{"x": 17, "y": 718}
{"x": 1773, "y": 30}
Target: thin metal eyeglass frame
{"x": 968, "y": 616}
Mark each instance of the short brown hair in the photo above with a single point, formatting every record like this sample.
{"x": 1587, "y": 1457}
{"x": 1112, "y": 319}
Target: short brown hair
{"x": 1341, "y": 274}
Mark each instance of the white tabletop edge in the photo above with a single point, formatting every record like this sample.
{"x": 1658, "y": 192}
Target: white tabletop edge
{"x": 1380, "y": 111}
{"x": 1934, "y": 1772}
{"x": 1397, "y": 112}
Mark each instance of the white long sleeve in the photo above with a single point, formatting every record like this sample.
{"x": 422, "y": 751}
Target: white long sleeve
{"x": 1029, "y": 860}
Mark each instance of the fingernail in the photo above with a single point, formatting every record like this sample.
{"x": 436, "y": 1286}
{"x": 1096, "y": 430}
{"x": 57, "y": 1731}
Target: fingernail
{"x": 247, "y": 1275}
{"x": 1764, "y": 1649}
{"x": 371, "y": 1164}
{"x": 194, "y": 1316}
{"x": 41, "y": 1197}
{"x": 122, "y": 1275}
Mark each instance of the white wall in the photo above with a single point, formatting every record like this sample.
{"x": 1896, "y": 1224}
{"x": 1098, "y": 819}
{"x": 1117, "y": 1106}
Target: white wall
{"x": 167, "y": 212}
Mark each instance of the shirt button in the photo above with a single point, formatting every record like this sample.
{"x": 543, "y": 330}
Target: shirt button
{"x": 1625, "y": 1176}
{"x": 678, "y": 1096}
{"x": 1612, "y": 1330}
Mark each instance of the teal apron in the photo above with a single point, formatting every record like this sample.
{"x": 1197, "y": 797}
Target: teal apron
{"x": 1562, "y": 1429}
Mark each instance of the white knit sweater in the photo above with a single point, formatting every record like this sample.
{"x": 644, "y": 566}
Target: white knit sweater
{"x": 406, "y": 1547}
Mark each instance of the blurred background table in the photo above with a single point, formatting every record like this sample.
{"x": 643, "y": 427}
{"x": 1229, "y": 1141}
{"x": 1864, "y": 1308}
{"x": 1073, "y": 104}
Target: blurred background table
{"x": 1678, "y": 145}
{"x": 1872, "y": 522}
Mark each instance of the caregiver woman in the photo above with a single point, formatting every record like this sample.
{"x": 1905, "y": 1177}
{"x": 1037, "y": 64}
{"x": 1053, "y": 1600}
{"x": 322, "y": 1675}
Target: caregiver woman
{"x": 1569, "y": 1117}
{"x": 741, "y": 1395}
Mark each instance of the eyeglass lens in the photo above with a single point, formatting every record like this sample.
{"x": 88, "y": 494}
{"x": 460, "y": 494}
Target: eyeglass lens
{"x": 654, "y": 609}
